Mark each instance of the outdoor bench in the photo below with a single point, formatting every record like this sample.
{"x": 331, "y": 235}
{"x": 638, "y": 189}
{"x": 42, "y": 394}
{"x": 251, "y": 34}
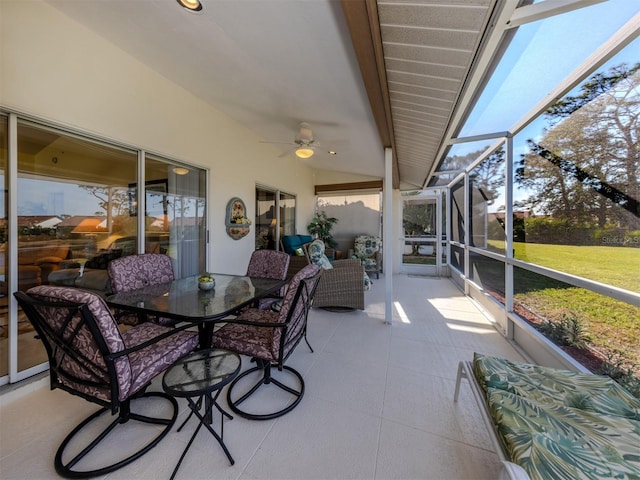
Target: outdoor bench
{"x": 548, "y": 423}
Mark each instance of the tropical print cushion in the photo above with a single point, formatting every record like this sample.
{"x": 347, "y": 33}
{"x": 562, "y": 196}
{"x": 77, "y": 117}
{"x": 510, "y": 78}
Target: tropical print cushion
{"x": 585, "y": 391}
{"x": 561, "y": 424}
{"x": 317, "y": 256}
{"x": 558, "y": 442}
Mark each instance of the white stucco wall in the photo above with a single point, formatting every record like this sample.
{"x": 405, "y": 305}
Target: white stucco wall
{"x": 55, "y": 69}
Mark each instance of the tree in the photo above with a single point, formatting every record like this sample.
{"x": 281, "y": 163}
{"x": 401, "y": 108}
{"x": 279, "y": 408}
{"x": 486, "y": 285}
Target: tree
{"x": 586, "y": 166}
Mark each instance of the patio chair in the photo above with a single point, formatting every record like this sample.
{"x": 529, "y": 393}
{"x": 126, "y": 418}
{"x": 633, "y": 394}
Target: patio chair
{"x": 342, "y": 283}
{"x": 269, "y": 264}
{"x": 137, "y": 271}
{"x": 269, "y": 338}
{"x": 91, "y": 358}
{"x": 368, "y": 249}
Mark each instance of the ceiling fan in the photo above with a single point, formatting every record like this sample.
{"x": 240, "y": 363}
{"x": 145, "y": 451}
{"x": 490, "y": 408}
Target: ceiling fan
{"x": 304, "y": 141}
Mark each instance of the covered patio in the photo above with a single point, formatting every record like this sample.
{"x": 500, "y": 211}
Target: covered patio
{"x": 378, "y": 403}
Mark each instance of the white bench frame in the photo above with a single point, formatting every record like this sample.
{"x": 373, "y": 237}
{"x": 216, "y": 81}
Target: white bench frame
{"x": 510, "y": 470}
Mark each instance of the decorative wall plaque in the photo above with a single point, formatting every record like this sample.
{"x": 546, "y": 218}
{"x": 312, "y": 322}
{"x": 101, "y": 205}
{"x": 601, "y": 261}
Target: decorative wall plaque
{"x": 236, "y": 220}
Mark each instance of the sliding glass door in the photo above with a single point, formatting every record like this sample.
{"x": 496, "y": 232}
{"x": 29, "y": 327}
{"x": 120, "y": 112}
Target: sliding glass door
{"x": 75, "y": 205}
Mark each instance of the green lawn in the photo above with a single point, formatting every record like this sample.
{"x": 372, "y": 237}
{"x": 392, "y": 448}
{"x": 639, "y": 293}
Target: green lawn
{"x": 617, "y": 266}
{"x": 613, "y": 326}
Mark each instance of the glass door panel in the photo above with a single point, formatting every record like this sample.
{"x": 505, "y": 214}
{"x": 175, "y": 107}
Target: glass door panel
{"x": 72, "y": 207}
{"x": 419, "y": 229}
{"x": 4, "y": 252}
{"x": 175, "y": 214}
{"x": 265, "y": 219}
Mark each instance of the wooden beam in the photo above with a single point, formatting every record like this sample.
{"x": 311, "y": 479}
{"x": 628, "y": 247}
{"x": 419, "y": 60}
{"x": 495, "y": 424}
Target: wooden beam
{"x": 343, "y": 187}
{"x": 364, "y": 28}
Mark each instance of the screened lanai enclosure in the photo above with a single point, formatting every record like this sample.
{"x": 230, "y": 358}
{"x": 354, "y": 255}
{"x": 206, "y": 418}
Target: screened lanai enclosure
{"x": 540, "y": 185}
{"x": 511, "y": 128}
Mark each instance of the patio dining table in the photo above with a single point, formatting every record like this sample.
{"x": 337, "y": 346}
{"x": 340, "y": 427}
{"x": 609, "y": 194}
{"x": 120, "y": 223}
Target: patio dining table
{"x": 182, "y": 300}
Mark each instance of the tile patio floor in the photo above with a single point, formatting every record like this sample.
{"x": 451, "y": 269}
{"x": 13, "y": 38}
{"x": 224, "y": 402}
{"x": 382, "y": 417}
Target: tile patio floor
{"x": 378, "y": 404}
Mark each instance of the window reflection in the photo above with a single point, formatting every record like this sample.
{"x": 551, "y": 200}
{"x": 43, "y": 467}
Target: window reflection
{"x": 72, "y": 208}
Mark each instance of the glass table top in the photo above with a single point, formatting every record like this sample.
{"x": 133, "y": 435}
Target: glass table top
{"x": 200, "y": 372}
{"x": 182, "y": 299}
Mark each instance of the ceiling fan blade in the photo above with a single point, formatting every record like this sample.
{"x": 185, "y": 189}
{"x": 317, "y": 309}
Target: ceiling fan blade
{"x": 286, "y": 153}
{"x": 277, "y": 143}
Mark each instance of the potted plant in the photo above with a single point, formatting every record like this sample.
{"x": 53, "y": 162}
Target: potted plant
{"x": 320, "y": 226}
{"x": 206, "y": 281}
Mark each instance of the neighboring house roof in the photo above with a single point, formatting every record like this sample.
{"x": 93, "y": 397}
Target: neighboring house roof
{"x": 43, "y": 221}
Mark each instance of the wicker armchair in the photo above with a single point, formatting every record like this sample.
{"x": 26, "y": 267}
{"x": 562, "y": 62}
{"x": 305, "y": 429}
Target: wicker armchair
{"x": 342, "y": 286}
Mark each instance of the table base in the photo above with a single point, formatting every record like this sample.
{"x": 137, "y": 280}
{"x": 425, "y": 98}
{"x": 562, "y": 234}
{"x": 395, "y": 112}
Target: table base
{"x": 206, "y": 420}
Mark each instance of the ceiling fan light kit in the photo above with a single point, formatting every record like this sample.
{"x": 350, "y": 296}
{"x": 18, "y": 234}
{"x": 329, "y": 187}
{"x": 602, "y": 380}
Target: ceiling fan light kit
{"x": 191, "y": 5}
{"x": 304, "y": 142}
{"x": 304, "y": 152}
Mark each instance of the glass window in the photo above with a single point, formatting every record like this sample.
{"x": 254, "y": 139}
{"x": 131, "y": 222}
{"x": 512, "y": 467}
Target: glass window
{"x": 578, "y": 184}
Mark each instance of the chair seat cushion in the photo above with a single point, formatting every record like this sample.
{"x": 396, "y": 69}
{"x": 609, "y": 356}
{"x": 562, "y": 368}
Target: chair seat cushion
{"x": 150, "y": 361}
{"x": 317, "y": 256}
{"x": 254, "y": 341}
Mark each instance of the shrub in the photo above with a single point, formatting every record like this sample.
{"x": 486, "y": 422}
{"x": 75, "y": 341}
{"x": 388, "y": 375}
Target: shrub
{"x": 568, "y": 331}
{"x": 616, "y": 366}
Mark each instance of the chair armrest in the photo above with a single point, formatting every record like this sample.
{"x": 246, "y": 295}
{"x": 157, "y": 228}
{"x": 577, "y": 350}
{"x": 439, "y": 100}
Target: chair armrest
{"x": 296, "y": 263}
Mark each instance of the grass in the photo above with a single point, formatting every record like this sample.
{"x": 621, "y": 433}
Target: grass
{"x": 617, "y": 266}
{"x": 612, "y": 325}
{"x": 419, "y": 259}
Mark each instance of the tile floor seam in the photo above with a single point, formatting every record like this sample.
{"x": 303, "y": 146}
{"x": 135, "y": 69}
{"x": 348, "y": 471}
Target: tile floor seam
{"x": 384, "y": 398}
{"x": 454, "y": 440}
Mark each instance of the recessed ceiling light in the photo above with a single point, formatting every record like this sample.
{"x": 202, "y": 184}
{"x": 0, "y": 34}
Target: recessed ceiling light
{"x": 332, "y": 152}
{"x": 191, "y": 5}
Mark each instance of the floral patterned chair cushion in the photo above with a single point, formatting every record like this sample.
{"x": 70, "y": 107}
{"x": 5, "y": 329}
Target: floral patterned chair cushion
{"x": 367, "y": 248}
{"x": 132, "y": 371}
{"x": 317, "y": 256}
{"x": 137, "y": 271}
{"x": 269, "y": 264}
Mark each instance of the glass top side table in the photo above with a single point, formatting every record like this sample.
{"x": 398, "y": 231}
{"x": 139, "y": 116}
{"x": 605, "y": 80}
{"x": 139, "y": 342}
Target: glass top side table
{"x": 195, "y": 377}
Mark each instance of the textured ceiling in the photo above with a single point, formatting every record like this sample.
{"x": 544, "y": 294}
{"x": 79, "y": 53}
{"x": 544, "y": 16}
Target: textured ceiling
{"x": 428, "y": 49}
{"x": 272, "y": 64}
